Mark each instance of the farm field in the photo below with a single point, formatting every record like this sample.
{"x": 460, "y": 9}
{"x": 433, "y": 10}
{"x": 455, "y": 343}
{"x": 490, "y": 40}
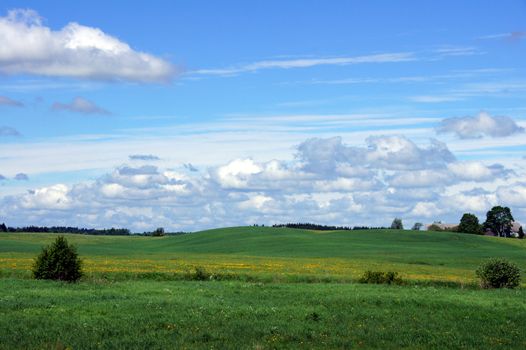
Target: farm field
{"x": 271, "y": 288}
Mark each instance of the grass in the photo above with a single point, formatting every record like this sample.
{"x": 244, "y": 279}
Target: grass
{"x": 135, "y": 295}
{"x": 237, "y": 315}
{"x": 279, "y": 254}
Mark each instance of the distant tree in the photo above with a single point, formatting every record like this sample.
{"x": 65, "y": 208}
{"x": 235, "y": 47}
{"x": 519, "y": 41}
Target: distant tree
{"x": 521, "y": 233}
{"x": 499, "y": 220}
{"x": 417, "y": 226}
{"x": 158, "y": 232}
{"x": 469, "y": 224}
{"x": 3, "y": 228}
{"x": 397, "y": 224}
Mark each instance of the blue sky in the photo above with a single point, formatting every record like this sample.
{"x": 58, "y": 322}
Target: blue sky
{"x": 240, "y": 112}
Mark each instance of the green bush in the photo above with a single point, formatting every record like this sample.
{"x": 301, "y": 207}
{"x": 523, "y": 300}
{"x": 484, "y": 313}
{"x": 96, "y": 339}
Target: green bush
{"x": 199, "y": 274}
{"x": 58, "y": 261}
{"x": 379, "y": 277}
{"x": 499, "y": 273}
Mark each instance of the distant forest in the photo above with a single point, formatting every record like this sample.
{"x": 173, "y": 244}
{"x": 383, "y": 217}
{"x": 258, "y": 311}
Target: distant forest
{"x": 66, "y": 229}
{"x": 309, "y": 226}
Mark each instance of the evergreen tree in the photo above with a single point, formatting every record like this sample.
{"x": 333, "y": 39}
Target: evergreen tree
{"x": 58, "y": 261}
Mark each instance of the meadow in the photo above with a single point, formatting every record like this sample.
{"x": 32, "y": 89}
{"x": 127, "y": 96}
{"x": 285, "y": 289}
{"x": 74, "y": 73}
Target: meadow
{"x": 269, "y": 288}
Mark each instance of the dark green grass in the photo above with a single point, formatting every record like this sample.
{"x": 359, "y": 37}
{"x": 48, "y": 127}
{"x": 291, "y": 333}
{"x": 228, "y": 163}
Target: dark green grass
{"x": 235, "y": 315}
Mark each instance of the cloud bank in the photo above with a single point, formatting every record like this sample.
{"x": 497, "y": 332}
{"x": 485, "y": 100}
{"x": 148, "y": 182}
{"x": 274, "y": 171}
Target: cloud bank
{"x": 77, "y": 51}
{"x": 327, "y": 182}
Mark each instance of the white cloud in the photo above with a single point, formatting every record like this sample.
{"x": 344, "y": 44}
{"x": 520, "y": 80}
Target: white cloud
{"x": 426, "y": 210}
{"x": 479, "y": 126}
{"x": 436, "y": 98}
{"x": 421, "y": 178}
{"x": 514, "y": 195}
{"x": 307, "y": 62}
{"x": 386, "y": 152}
{"x": 79, "y": 105}
{"x": 53, "y": 197}
{"x": 255, "y": 202}
{"x": 359, "y": 186}
{"x": 236, "y": 173}
{"x": 29, "y": 47}
{"x": 458, "y": 51}
{"x": 511, "y": 36}
{"x": 477, "y": 171}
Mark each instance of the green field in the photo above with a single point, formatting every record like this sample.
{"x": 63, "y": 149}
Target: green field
{"x": 270, "y": 288}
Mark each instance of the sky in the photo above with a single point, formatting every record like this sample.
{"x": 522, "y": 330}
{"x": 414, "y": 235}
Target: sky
{"x": 190, "y": 115}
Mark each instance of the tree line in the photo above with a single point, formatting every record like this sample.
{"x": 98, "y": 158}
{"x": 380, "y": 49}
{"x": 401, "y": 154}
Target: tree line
{"x": 67, "y": 229}
{"x": 317, "y": 227}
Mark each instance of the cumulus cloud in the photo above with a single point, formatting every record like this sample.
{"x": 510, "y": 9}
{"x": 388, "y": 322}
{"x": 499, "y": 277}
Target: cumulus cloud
{"x": 237, "y": 173}
{"x": 8, "y": 131}
{"x": 53, "y": 197}
{"x": 29, "y": 47}
{"x": 479, "y": 126}
{"x": 513, "y": 195}
{"x": 6, "y": 101}
{"x": 148, "y": 157}
{"x": 79, "y": 105}
{"x": 21, "y": 177}
{"x": 386, "y": 152}
{"x": 329, "y": 182}
{"x": 426, "y": 210}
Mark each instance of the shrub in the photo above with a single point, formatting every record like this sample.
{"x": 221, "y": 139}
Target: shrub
{"x": 498, "y": 273}
{"x": 379, "y": 277}
{"x": 58, "y": 261}
{"x": 199, "y": 274}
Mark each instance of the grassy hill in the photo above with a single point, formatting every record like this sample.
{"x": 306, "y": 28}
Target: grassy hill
{"x": 278, "y": 253}
{"x": 134, "y": 296}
